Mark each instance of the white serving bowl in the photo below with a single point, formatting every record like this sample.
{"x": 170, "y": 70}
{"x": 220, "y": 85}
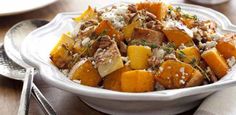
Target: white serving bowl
{"x": 38, "y": 44}
{"x": 210, "y": 2}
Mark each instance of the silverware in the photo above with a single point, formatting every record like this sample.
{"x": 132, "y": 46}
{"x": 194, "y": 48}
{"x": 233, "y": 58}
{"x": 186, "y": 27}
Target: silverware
{"x": 20, "y": 70}
{"x": 25, "y": 93}
{"x": 12, "y": 70}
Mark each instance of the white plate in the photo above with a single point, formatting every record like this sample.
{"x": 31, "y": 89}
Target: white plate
{"x": 11, "y": 7}
{"x": 38, "y": 44}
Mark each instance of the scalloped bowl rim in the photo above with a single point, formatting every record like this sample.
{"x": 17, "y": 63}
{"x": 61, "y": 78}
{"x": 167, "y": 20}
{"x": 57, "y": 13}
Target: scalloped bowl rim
{"x": 114, "y": 95}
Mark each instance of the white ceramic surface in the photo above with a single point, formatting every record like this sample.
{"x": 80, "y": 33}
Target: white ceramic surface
{"x": 38, "y": 44}
{"x": 11, "y": 7}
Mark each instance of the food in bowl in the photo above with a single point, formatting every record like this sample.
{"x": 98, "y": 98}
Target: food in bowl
{"x": 143, "y": 47}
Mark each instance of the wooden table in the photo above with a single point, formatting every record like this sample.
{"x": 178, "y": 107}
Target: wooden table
{"x": 65, "y": 103}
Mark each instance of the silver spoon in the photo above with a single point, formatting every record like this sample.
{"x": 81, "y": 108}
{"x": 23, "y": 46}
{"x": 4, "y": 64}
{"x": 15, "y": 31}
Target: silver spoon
{"x": 20, "y": 70}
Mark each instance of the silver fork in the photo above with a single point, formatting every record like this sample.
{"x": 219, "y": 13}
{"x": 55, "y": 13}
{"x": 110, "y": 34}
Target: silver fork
{"x": 12, "y": 44}
{"x": 10, "y": 69}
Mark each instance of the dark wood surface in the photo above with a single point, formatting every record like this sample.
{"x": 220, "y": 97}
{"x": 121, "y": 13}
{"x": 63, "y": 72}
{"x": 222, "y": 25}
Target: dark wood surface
{"x": 65, "y": 103}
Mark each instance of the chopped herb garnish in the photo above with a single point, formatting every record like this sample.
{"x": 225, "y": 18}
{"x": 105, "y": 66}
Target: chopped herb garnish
{"x": 104, "y": 32}
{"x": 181, "y": 54}
{"x": 193, "y": 61}
{"x": 153, "y": 46}
{"x": 169, "y": 48}
{"x": 143, "y": 43}
{"x": 178, "y": 9}
{"x": 195, "y": 17}
{"x": 190, "y": 16}
{"x": 77, "y": 57}
{"x": 170, "y": 10}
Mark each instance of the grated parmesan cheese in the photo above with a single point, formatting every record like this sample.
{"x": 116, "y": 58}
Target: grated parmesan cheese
{"x": 85, "y": 41}
{"x": 181, "y": 81}
{"x": 231, "y": 61}
{"x": 173, "y": 23}
{"x": 210, "y": 44}
{"x": 77, "y": 81}
{"x": 65, "y": 71}
{"x": 159, "y": 53}
{"x": 161, "y": 69}
{"x": 215, "y": 36}
{"x": 114, "y": 15}
{"x": 181, "y": 70}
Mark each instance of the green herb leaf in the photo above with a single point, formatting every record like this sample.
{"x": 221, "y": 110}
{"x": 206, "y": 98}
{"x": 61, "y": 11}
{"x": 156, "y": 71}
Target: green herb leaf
{"x": 193, "y": 61}
{"x": 195, "y": 17}
{"x": 189, "y": 16}
{"x": 181, "y": 54}
{"x": 153, "y": 46}
{"x": 104, "y": 32}
{"x": 178, "y": 9}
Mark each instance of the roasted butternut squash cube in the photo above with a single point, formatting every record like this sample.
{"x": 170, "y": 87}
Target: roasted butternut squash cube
{"x": 189, "y": 22}
{"x": 138, "y": 56}
{"x": 216, "y": 62}
{"x": 86, "y": 15}
{"x": 177, "y": 36}
{"x": 60, "y": 55}
{"x": 86, "y": 73}
{"x": 113, "y": 80}
{"x": 159, "y": 9}
{"x": 189, "y": 55}
{"x": 175, "y": 74}
{"x": 137, "y": 81}
{"x": 128, "y": 30}
{"x": 78, "y": 48}
{"x": 227, "y": 46}
{"x": 108, "y": 60}
{"x": 105, "y": 27}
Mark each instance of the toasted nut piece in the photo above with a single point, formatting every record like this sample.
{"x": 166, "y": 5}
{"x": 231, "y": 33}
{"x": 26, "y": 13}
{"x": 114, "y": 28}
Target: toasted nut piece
{"x": 132, "y": 8}
{"x": 123, "y": 48}
{"x": 105, "y": 41}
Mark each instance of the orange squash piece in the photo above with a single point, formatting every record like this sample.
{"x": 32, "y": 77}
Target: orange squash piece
{"x": 175, "y": 74}
{"x": 86, "y": 73}
{"x": 227, "y": 46}
{"x": 188, "y": 22}
{"x": 129, "y": 29}
{"x": 60, "y": 55}
{"x": 86, "y": 15}
{"x": 105, "y": 27}
{"x": 138, "y": 56}
{"x": 113, "y": 80}
{"x": 177, "y": 36}
{"x": 78, "y": 48}
{"x": 137, "y": 81}
{"x": 159, "y": 9}
{"x": 216, "y": 62}
{"x": 190, "y": 54}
